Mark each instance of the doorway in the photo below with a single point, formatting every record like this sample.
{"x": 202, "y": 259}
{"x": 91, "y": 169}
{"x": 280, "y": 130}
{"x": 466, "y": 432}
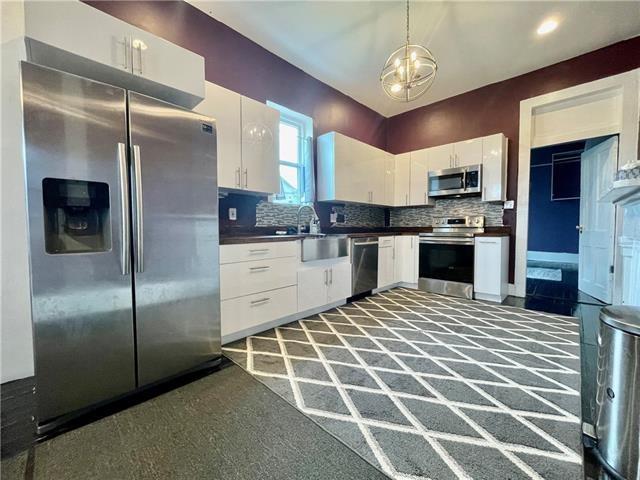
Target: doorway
{"x": 571, "y": 233}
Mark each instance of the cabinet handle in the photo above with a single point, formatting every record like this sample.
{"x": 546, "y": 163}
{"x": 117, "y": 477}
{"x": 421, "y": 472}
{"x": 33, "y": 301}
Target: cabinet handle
{"x": 262, "y": 300}
{"x": 456, "y": 161}
{"x": 326, "y": 277}
{"x": 246, "y": 177}
{"x": 406, "y": 199}
{"x": 140, "y": 56}
{"x": 238, "y": 177}
{"x": 258, "y": 250}
{"x": 450, "y": 160}
{"x": 126, "y": 47}
{"x": 331, "y": 276}
{"x": 259, "y": 269}
{"x": 425, "y": 197}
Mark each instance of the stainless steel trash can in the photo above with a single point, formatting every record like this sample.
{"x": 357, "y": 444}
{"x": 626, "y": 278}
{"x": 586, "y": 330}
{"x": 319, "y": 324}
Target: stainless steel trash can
{"x": 618, "y": 390}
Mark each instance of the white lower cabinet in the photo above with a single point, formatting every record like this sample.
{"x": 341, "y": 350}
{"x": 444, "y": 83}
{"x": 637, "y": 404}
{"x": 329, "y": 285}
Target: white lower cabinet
{"x": 243, "y": 313}
{"x": 406, "y": 259}
{"x": 323, "y": 284}
{"x": 386, "y": 275}
{"x": 491, "y": 268}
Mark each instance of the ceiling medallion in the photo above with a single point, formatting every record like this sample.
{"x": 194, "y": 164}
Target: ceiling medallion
{"x": 409, "y": 71}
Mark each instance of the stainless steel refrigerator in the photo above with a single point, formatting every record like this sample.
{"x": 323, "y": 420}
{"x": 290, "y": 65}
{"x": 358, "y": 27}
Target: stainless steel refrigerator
{"x": 123, "y": 228}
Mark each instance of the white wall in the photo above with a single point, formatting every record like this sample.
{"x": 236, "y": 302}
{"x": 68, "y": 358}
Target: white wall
{"x": 15, "y": 309}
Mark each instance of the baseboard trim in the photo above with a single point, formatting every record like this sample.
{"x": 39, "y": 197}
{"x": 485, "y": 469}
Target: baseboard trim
{"x": 489, "y": 298}
{"x": 232, "y": 337}
{"x": 557, "y": 257}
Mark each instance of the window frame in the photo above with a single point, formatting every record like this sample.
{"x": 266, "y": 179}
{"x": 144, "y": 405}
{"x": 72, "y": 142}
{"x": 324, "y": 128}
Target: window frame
{"x": 304, "y": 124}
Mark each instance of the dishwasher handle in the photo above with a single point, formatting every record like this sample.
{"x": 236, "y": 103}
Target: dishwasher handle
{"x": 357, "y": 244}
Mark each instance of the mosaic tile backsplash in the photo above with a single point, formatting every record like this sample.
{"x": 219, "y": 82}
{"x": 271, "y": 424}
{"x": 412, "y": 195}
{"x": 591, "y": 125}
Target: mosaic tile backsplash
{"x": 447, "y": 207}
{"x": 274, "y": 214}
{"x": 277, "y": 214}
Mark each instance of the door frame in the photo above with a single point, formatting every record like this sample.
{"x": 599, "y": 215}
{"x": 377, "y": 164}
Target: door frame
{"x": 625, "y": 88}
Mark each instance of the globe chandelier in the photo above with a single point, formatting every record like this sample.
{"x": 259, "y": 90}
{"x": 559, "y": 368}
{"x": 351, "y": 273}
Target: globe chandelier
{"x": 409, "y": 71}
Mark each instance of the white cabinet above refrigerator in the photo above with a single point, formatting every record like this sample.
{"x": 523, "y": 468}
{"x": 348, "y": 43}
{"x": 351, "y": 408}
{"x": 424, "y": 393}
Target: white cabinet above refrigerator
{"x": 80, "y": 39}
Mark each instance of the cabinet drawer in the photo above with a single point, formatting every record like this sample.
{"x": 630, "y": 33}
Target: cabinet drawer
{"x": 245, "y": 278}
{"x": 251, "y": 310}
{"x": 257, "y": 251}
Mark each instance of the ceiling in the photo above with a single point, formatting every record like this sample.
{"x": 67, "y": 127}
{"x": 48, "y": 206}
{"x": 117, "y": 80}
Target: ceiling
{"x": 346, "y": 43}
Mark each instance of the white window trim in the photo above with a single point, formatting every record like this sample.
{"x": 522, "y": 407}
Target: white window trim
{"x": 305, "y": 126}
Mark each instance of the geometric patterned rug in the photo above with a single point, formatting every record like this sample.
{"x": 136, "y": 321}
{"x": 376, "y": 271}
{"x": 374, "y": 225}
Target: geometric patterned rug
{"x": 429, "y": 386}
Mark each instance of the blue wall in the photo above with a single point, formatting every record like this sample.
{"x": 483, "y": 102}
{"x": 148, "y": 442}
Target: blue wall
{"x": 552, "y": 225}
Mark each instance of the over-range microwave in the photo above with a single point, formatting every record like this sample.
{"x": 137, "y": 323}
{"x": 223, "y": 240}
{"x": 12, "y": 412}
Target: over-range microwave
{"x": 455, "y": 181}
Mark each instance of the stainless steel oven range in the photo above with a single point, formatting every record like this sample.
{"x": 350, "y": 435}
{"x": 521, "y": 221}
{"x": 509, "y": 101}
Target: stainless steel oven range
{"x": 447, "y": 255}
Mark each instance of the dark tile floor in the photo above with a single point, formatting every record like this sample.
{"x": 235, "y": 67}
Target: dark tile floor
{"x": 565, "y": 298}
{"x": 226, "y": 425}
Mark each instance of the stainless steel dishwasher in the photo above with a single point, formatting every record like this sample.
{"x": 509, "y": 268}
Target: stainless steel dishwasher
{"x": 364, "y": 266}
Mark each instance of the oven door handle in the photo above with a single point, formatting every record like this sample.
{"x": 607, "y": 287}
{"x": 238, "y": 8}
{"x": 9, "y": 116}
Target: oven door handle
{"x": 449, "y": 241}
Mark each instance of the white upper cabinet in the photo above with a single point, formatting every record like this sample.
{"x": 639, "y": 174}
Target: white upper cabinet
{"x": 402, "y": 181}
{"x": 247, "y": 138}
{"x": 420, "y": 166}
{"x": 260, "y": 147}
{"x": 467, "y": 152}
{"x": 224, "y": 107}
{"x": 80, "y": 29}
{"x": 351, "y": 171}
{"x": 440, "y": 157}
{"x": 389, "y": 179}
{"x": 494, "y": 168}
{"x": 80, "y": 39}
{"x": 156, "y": 59}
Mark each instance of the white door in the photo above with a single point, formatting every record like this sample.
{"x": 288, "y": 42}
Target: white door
{"x": 260, "y": 147}
{"x": 224, "y": 107}
{"x": 402, "y": 179}
{"x": 312, "y": 288}
{"x": 467, "y": 152}
{"x": 441, "y": 157}
{"x": 597, "y": 220}
{"x": 339, "y": 282}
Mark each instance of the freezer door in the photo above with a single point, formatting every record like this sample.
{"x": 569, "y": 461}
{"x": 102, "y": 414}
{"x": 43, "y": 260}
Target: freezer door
{"x": 175, "y": 231}
{"x": 75, "y": 137}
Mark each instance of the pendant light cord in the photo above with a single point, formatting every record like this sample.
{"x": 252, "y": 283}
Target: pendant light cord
{"x": 407, "y": 22}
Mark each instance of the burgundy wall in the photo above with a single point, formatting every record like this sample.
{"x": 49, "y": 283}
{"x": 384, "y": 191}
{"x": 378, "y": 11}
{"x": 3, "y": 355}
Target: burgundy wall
{"x": 241, "y": 65}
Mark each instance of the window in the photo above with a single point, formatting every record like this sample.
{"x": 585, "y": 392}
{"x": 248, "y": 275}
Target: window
{"x": 296, "y": 164}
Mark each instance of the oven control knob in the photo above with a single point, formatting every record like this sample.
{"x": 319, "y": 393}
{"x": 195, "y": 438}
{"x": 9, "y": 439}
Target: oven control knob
{"x": 477, "y": 220}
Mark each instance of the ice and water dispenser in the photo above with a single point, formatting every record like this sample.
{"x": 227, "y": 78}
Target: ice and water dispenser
{"x": 76, "y": 216}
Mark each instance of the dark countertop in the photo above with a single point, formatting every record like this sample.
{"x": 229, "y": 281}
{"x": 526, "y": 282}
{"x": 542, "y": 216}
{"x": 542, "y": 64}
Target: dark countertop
{"x": 259, "y": 235}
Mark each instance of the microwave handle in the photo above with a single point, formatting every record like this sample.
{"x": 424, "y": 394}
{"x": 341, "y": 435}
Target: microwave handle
{"x": 464, "y": 179}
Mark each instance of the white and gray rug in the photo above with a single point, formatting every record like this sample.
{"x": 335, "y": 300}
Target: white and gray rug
{"x": 553, "y": 274}
{"x": 428, "y": 386}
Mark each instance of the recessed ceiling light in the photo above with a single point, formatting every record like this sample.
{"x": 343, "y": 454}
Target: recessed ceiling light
{"x": 547, "y": 26}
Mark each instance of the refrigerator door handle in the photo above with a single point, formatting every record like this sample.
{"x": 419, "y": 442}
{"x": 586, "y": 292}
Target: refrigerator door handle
{"x": 125, "y": 240}
{"x": 137, "y": 172}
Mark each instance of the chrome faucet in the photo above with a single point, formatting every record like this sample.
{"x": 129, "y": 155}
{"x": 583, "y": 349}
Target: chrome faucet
{"x": 314, "y": 218}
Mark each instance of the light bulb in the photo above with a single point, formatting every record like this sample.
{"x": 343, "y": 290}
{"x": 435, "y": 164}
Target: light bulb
{"x": 547, "y": 26}
{"x": 395, "y": 88}
{"x": 413, "y": 56}
{"x": 396, "y": 62}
